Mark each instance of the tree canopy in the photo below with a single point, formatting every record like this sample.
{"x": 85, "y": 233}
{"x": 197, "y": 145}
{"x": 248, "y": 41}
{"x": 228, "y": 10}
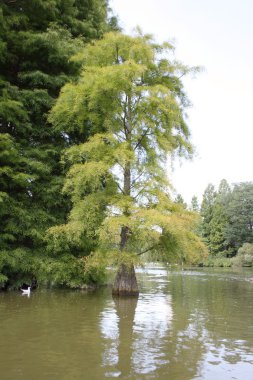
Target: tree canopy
{"x": 227, "y": 217}
{"x": 37, "y": 39}
{"x": 130, "y": 98}
{"x": 239, "y": 211}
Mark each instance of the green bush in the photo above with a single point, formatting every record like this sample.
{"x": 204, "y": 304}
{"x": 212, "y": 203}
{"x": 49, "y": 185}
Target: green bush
{"x": 246, "y": 249}
{"x": 248, "y": 260}
{"x": 217, "y": 261}
{"x": 244, "y": 257}
{"x": 238, "y": 261}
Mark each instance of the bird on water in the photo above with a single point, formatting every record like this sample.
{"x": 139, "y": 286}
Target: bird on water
{"x": 26, "y": 291}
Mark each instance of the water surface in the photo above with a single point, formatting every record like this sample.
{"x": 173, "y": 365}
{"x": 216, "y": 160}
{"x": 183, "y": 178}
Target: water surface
{"x": 184, "y": 325}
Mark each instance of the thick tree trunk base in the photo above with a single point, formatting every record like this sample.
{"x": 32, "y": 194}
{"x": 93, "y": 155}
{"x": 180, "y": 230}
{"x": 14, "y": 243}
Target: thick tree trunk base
{"x": 125, "y": 283}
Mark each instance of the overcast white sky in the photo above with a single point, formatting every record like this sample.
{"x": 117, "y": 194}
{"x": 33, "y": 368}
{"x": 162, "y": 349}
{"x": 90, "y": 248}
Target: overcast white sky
{"x": 216, "y": 34}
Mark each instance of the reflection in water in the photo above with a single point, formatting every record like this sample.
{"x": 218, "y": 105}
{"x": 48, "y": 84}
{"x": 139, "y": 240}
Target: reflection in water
{"x": 110, "y": 332}
{"x": 25, "y": 295}
{"x": 117, "y": 330}
{"x": 185, "y": 325}
{"x": 186, "y": 328}
{"x": 218, "y": 322}
{"x": 151, "y": 324}
{"x": 231, "y": 360}
{"x": 134, "y": 334}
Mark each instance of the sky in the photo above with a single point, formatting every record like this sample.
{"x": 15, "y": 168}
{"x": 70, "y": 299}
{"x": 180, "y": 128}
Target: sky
{"x": 217, "y": 35}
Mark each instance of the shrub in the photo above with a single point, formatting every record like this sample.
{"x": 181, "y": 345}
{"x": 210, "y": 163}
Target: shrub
{"x": 217, "y": 261}
{"x": 244, "y": 257}
{"x": 246, "y": 249}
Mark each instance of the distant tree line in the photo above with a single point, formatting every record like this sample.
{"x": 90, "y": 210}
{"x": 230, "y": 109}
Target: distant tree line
{"x": 226, "y": 220}
{"x": 227, "y": 217}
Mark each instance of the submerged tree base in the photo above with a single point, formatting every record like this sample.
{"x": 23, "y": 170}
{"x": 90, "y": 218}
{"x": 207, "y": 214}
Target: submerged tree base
{"x": 125, "y": 283}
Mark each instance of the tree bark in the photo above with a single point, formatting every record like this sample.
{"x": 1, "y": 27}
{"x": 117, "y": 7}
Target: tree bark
{"x": 125, "y": 283}
{"x": 124, "y": 237}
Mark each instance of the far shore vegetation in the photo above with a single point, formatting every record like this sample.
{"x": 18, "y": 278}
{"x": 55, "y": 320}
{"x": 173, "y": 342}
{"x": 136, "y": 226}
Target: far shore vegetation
{"x": 226, "y": 224}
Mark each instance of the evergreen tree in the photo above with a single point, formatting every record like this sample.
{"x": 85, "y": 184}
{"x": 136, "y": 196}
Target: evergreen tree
{"x": 207, "y": 206}
{"x": 218, "y": 224}
{"x": 227, "y": 217}
{"x": 130, "y": 97}
{"x": 180, "y": 200}
{"x": 217, "y": 241}
{"x": 239, "y": 229}
{"x": 37, "y": 39}
{"x": 194, "y": 204}
{"x": 214, "y": 217}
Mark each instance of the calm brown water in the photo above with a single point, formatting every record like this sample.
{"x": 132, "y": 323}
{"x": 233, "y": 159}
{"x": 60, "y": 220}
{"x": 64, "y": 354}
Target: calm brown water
{"x": 184, "y": 325}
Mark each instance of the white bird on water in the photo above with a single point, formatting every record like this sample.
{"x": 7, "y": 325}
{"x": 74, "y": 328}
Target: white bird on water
{"x": 26, "y": 291}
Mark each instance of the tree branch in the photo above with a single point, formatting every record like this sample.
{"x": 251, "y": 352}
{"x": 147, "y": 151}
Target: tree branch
{"x": 139, "y": 192}
{"x": 142, "y": 137}
{"x": 138, "y": 98}
{"x": 146, "y": 250}
{"x": 137, "y": 178}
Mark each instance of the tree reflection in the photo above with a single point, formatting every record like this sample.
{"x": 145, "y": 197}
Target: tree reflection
{"x": 117, "y": 329}
{"x": 134, "y": 332}
{"x": 189, "y": 327}
{"x": 151, "y": 326}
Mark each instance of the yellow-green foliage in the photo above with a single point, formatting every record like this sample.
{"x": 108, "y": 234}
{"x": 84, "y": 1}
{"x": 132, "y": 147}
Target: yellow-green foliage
{"x": 130, "y": 97}
{"x": 167, "y": 231}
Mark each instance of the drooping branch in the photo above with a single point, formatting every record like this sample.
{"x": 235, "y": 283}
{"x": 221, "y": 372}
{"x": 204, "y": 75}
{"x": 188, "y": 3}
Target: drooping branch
{"x": 147, "y": 250}
{"x": 120, "y": 188}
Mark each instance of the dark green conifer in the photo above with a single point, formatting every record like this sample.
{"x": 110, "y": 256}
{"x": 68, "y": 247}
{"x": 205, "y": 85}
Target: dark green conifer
{"x": 37, "y": 39}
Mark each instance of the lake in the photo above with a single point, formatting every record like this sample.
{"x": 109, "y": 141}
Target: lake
{"x": 191, "y": 324}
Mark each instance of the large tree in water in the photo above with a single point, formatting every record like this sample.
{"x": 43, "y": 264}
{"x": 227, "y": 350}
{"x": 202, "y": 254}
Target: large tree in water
{"x": 131, "y": 99}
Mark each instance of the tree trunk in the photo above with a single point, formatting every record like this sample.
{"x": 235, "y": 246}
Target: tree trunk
{"x": 125, "y": 283}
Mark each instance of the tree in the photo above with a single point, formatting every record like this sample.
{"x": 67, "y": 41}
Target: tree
{"x": 217, "y": 243}
{"x": 131, "y": 98}
{"x": 37, "y": 39}
{"x": 180, "y": 200}
{"x": 214, "y": 217}
{"x": 218, "y": 224}
{"x": 239, "y": 229}
{"x": 194, "y": 204}
{"x": 227, "y": 217}
{"x": 206, "y": 211}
